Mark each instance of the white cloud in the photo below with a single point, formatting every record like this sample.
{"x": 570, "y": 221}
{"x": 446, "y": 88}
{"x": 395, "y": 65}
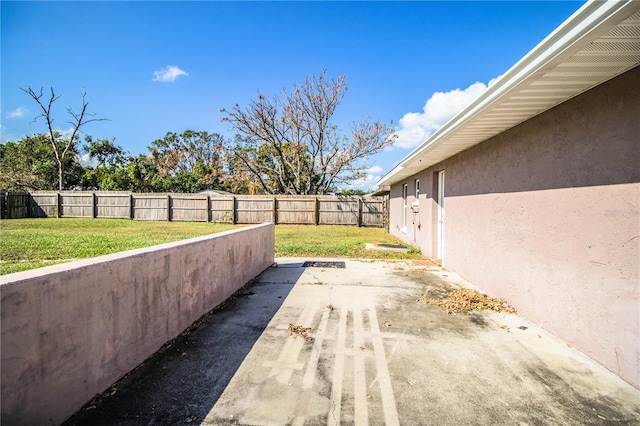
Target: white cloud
{"x": 416, "y": 127}
{"x": 65, "y": 133}
{"x": 4, "y": 137}
{"x": 18, "y": 113}
{"x": 86, "y": 160}
{"x": 168, "y": 74}
{"x": 494, "y": 80}
{"x": 68, "y": 132}
{"x": 369, "y": 181}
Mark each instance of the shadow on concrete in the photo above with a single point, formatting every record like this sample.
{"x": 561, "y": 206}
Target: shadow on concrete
{"x": 183, "y": 381}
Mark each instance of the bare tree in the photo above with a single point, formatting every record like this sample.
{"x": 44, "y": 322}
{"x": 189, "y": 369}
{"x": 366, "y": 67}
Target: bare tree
{"x": 289, "y": 144}
{"x": 59, "y": 145}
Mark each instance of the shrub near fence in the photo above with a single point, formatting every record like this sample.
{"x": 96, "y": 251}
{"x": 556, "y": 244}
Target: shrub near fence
{"x": 240, "y": 209}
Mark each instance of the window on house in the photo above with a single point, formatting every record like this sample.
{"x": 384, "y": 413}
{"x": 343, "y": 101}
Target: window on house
{"x": 417, "y": 189}
{"x": 405, "y": 191}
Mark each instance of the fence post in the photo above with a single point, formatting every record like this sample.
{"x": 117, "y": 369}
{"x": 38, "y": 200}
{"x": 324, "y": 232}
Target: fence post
{"x": 385, "y": 212}
{"x": 131, "y": 213}
{"x": 169, "y": 207}
{"x": 94, "y": 205}
{"x": 234, "y": 209}
{"x": 275, "y": 211}
{"x": 359, "y": 212}
{"x": 58, "y": 212}
{"x": 316, "y": 211}
{"x": 208, "y": 208}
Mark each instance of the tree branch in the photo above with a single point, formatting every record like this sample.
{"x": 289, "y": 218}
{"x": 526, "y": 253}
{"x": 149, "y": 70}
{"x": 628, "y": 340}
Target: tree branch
{"x": 80, "y": 120}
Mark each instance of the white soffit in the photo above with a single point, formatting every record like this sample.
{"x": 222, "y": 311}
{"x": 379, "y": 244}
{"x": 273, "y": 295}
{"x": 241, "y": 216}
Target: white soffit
{"x": 598, "y": 42}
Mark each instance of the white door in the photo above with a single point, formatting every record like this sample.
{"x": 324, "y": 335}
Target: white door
{"x": 441, "y": 215}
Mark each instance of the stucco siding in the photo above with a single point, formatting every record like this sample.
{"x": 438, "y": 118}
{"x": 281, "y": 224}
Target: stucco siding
{"x": 547, "y": 215}
{"x": 69, "y": 331}
{"x": 418, "y": 226}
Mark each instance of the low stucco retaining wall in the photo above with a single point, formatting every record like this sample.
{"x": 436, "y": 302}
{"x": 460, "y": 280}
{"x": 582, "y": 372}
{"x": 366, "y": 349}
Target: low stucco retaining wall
{"x": 70, "y": 331}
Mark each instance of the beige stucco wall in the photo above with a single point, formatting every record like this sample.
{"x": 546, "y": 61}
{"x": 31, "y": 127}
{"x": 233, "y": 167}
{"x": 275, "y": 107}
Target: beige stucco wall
{"x": 69, "y": 331}
{"x": 547, "y": 215}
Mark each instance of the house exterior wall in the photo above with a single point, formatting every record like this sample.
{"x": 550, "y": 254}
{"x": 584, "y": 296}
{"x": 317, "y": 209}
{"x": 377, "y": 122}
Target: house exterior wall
{"x": 547, "y": 215}
{"x": 417, "y": 223}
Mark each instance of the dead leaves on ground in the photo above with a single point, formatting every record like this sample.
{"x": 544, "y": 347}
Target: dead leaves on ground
{"x": 93, "y": 404}
{"x": 300, "y": 331}
{"x": 465, "y": 300}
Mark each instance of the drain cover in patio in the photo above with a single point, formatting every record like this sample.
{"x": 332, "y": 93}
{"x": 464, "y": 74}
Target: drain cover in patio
{"x": 312, "y": 264}
{"x": 395, "y": 246}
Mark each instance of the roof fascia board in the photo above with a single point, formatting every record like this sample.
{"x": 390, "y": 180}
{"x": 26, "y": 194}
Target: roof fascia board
{"x": 584, "y": 21}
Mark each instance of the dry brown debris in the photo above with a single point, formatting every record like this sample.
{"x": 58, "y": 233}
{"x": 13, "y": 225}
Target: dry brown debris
{"x": 465, "y": 300}
{"x": 298, "y": 330}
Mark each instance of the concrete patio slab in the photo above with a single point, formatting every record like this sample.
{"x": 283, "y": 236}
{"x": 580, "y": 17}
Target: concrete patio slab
{"x": 373, "y": 355}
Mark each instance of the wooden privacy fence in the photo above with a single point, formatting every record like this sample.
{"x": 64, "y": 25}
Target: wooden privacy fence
{"x": 14, "y": 205}
{"x": 237, "y": 209}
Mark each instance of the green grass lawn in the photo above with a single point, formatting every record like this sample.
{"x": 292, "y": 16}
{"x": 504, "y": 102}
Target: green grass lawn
{"x": 33, "y": 243}
{"x": 336, "y": 241}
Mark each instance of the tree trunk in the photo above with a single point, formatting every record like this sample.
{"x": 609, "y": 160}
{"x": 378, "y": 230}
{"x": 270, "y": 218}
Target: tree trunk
{"x": 60, "y": 177}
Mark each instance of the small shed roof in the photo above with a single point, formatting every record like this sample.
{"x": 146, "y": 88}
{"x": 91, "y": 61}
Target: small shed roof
{"x": 598, "y": 42}
{"x": 381, "y": 191}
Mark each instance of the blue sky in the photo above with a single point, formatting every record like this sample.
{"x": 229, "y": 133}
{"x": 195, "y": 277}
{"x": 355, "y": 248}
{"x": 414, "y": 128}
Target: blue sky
{"x": 156, "y": 67}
